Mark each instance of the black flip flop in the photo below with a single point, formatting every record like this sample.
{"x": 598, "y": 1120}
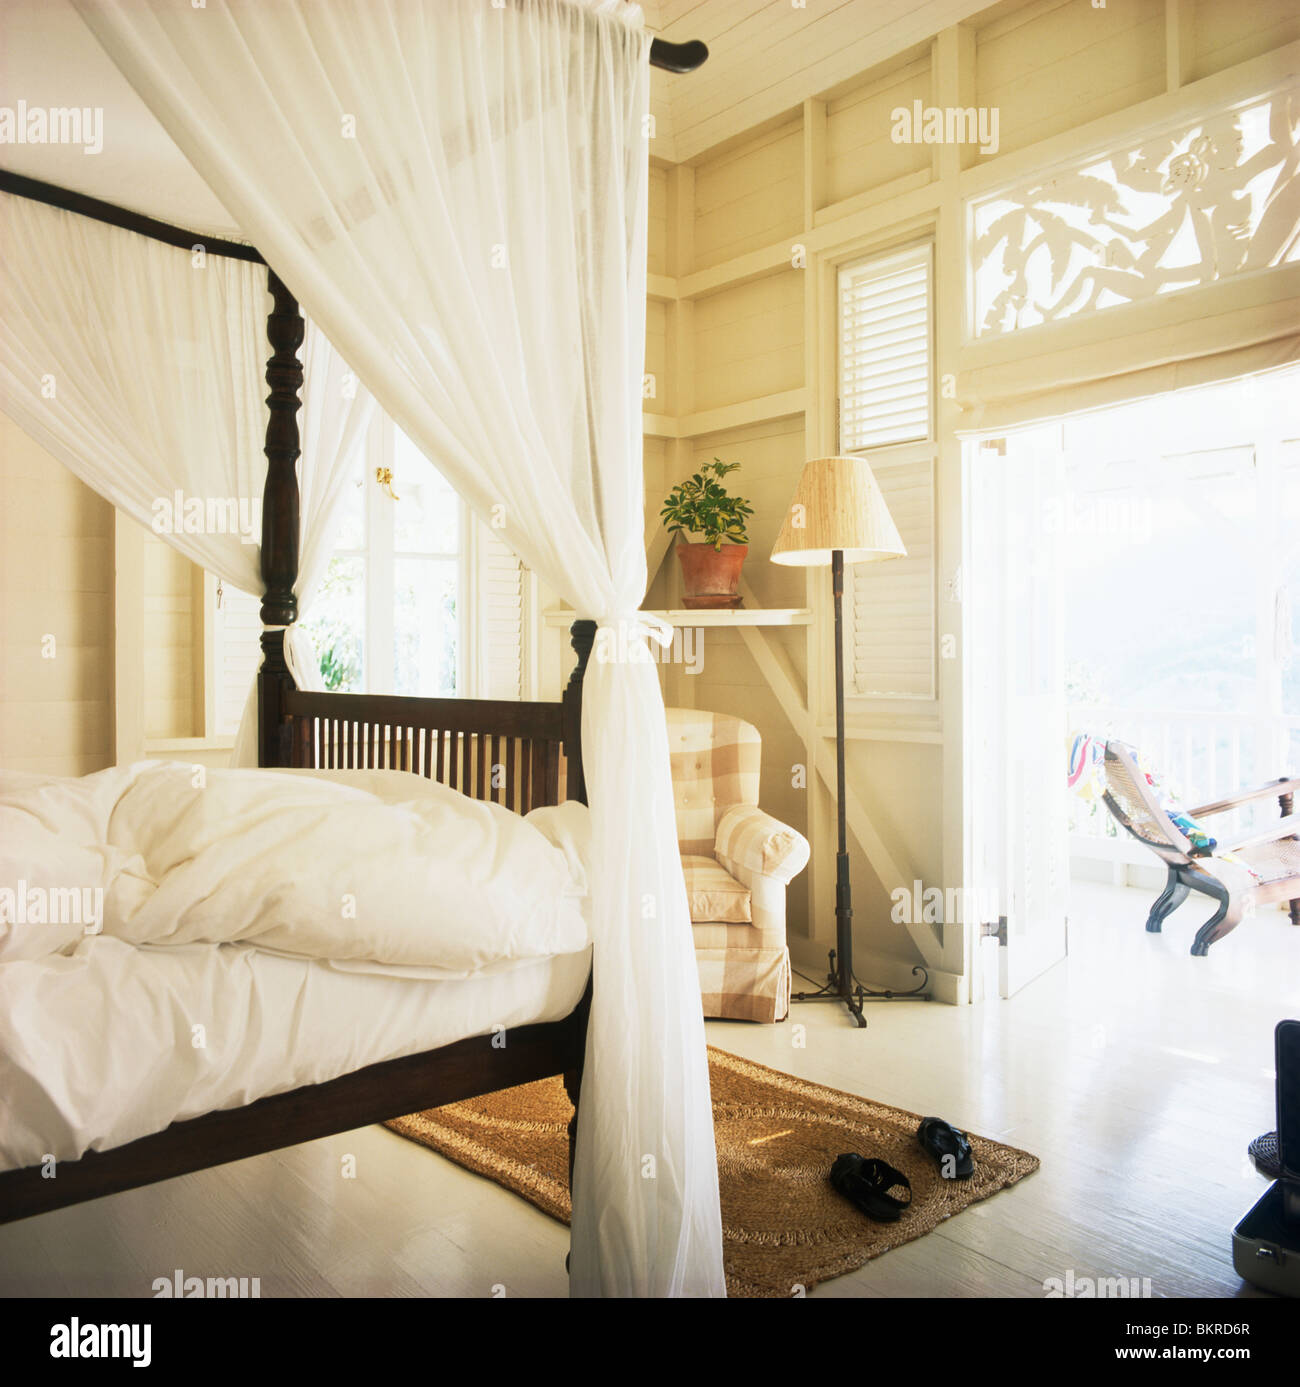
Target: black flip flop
{"x": 866, "y": 1182}
{"x": 949, "y": 1147}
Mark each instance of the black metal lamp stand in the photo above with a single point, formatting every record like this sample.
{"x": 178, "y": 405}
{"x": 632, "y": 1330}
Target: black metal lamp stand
{"x": 841, "y": 983}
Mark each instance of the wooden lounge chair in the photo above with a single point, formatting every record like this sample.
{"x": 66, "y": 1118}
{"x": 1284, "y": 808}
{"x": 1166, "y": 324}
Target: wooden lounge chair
{"x": 1261, "y": 868}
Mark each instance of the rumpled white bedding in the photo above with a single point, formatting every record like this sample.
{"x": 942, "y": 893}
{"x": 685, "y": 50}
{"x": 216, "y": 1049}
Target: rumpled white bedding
{"x": 257, "y": 931}
{"x": 370, "y": 867}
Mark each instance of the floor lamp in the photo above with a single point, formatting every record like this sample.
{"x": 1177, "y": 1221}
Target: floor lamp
{"x": 838, "y": 516}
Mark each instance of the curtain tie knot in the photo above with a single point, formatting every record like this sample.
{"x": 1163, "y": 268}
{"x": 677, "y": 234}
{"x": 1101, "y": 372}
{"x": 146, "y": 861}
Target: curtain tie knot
{"x": 621, "y": 638}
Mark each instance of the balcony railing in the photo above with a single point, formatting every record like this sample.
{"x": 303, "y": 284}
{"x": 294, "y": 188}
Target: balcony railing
{"x": 1199, "y": 756}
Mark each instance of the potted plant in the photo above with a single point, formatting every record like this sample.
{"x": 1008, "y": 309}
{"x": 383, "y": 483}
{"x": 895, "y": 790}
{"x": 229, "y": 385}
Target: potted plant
{"x": 712, "y": 543}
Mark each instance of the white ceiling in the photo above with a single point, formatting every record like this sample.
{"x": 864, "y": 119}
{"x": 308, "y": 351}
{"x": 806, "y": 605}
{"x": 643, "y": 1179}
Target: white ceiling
{"x": 766, "y": 56}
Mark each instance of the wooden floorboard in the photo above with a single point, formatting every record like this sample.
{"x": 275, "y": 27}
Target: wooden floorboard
{"x": 1136, "y": 1073}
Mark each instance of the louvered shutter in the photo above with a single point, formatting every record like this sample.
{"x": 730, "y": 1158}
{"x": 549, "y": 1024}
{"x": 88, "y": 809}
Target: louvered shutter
{"x": 885, "y": 394}
{"x": 884, "y": 370}
{"x": 238, "y": 653}
{"x": 890, "y": 635}
{"x": 500, "y": 615}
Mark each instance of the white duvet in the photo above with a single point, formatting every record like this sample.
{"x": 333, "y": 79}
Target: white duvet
{"x": 373, "y": 870}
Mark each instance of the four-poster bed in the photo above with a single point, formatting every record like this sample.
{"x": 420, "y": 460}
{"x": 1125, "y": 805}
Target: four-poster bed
{"x": 453, "y": 741}
{"x": 516, "y": 142}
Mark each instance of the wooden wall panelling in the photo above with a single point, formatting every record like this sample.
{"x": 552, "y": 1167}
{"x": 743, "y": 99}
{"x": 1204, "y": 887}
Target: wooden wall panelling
{"x": 1222, "y": 34}
{"x": 56, "y": 614}
{"x": 861, "y": 153}
{"x": 749, "y": 196}
{"x": 1051, "y": 65}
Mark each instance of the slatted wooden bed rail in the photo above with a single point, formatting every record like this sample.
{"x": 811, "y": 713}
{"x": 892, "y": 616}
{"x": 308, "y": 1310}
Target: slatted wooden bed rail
{"x": 509, "y": 753}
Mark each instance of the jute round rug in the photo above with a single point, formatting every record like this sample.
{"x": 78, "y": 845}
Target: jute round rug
{"x": 783, "y": 1225}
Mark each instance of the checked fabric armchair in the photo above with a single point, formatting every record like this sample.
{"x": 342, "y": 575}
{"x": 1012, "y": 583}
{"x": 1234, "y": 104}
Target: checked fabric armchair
{"x": 737, "y": 861}
{"x": 1261, "y": 868}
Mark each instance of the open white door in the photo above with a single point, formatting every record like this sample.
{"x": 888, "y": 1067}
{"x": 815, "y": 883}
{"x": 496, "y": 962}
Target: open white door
{"x": 1016, "y": 698}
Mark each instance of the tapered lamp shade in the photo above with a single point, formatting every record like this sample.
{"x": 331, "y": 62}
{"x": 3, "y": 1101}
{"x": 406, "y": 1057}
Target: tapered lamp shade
{"x": 837, "y": 505}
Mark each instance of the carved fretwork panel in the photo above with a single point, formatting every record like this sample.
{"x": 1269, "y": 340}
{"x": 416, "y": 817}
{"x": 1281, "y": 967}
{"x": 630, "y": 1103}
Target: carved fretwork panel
{"x": 1196, "y": 203}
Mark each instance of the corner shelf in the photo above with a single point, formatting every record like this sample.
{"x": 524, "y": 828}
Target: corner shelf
{"x": 738, "y": 616}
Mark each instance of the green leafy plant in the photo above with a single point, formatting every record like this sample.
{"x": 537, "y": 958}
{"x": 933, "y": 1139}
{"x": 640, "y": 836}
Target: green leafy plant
{"x": 702, "y": 505}
{"x": 334, "y": 626}
{"x": 340, "y": 667}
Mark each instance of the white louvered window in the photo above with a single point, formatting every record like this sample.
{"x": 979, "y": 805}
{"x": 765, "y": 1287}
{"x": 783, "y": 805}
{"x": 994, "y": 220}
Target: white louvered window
{"x": 502, "y": 619}
{"x": 886, "y": 390}
{"x": 885, "y": 384}
{"x": 890, "y": 608}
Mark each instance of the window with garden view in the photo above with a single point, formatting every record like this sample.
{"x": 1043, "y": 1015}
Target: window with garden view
{"x": 388, "y": 617}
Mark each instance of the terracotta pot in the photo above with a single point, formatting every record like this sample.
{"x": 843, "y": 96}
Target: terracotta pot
{"x": 711, "y": 576}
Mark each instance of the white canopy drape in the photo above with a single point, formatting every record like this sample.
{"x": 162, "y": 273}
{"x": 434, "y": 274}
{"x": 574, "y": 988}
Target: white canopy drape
{"x": 139, "y": 366}
{"x": 456, "y": 193}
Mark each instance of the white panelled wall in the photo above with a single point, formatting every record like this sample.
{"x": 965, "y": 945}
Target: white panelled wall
{"x": 56, "y": 615}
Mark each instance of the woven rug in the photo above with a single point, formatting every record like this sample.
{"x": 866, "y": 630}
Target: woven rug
{"x": 783, "y": 1225}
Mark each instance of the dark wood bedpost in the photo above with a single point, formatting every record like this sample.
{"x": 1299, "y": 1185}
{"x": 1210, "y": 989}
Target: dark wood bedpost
{"x": 284, "y": 329}
{"x": 582, "y": 636}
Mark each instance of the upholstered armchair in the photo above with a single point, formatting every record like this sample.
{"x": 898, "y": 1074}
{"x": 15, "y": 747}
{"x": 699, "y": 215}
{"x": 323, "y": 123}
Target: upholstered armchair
{"x": 737, "y": 861}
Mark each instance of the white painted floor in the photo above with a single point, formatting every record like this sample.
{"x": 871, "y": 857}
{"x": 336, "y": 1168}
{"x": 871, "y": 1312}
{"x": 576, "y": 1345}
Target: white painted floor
{"x": 1137, "y": 1074}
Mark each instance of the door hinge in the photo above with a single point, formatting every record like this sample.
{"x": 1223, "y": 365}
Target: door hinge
{"x": 991, "y": 930}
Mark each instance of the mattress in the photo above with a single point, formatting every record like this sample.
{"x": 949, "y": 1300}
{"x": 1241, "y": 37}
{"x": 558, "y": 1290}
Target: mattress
{"x": 114, "y": 1041}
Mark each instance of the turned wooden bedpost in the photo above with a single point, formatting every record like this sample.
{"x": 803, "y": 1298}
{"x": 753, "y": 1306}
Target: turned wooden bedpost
{"x": 284, "y": 329}
{"x": 582, "y": 636}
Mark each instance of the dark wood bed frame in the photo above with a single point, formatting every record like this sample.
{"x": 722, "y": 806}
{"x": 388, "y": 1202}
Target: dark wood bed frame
{"x": 453, "y": 740}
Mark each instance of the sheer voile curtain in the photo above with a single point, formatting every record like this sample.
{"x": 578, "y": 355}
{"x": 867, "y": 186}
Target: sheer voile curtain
{"x": 140, "y": 367}
{"x": 456, "y": 193}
